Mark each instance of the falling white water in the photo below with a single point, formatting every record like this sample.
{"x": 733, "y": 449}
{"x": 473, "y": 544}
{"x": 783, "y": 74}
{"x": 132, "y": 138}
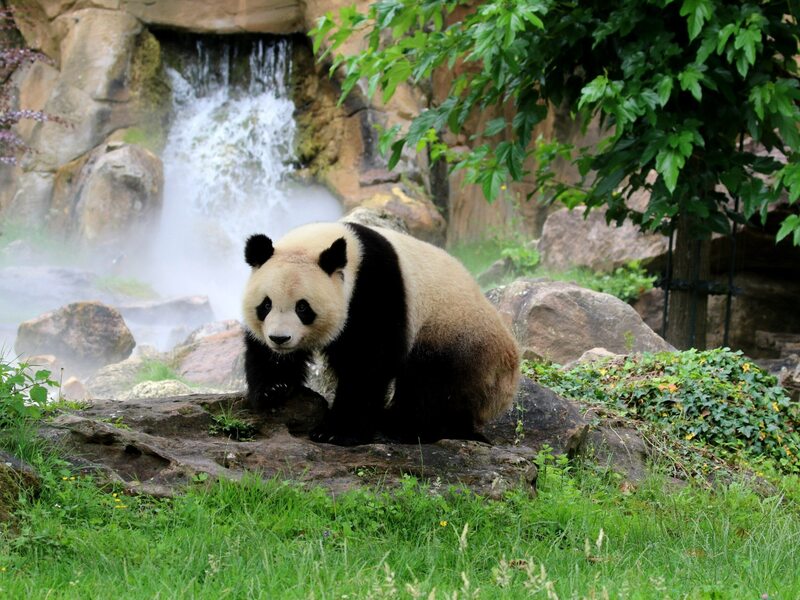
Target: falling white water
{"x": 227, "y": 168}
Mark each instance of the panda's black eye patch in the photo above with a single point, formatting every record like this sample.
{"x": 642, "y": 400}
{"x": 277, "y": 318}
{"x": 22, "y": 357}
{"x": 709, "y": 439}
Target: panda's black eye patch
{"x": 304, "y": 312}
{"x": 262, "y": 310}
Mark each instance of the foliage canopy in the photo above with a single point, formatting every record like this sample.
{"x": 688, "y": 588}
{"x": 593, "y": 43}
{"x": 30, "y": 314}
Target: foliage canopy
{"x": 680, "y": 86}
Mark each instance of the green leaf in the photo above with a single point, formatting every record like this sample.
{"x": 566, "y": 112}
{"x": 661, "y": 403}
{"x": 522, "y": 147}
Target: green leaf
{"x": 790, "y": 179}
{"x": 669, "y": 163}
{"x": 697, "y": 11}
{"x": 747, "y": 40}
{"x": 690, "y": 79}
{"x": 664, "y": 89}
{"x": 494, "y": 127}
{"x": 593, "y": 91}
{"x": 724, "y": 35}
{"x": 492, "y": 181}
{"x": 386, "y": 139}
{"x": 38, "y": 394}
{"x": 790, "y": 225}
{"x": 399, "y": 72}
{"x": 397, "y": 152}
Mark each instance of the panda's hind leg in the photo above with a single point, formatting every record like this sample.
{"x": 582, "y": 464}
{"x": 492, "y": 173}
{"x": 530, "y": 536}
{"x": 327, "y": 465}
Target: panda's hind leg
{"x": 432, "y": 400}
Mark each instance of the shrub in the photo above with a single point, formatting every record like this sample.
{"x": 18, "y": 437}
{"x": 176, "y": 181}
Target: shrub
{"x": 627, "y": 282}
{"x": 524, "y": 259}
{"x": 23, "y": 395}
{"x": 717, "y": 397}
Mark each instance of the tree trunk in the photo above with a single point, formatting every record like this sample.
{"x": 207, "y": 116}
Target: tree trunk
{"x": 688, "y": 308}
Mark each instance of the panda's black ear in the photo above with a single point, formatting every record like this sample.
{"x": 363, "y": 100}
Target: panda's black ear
{"x": 334, "y": 258}
{"x": 258, "y": 250}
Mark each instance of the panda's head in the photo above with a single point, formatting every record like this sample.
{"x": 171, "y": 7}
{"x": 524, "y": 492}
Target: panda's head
{"x": 299, "y": 289}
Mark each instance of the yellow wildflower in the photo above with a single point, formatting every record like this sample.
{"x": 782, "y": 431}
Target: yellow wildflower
{"x": 689, "y": 436}
{"x": 746, "y": 367}
{"x": 442, "y": 523}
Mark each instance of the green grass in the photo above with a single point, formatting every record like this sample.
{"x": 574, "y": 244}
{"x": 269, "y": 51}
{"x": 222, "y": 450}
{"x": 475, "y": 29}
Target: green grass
{"x": 586, "y": 535}
{"x": 127, "y": 286}
{"x": 278, "y": 540}
{"x": 478, "y": 256}
{"x": 156, "y": 370}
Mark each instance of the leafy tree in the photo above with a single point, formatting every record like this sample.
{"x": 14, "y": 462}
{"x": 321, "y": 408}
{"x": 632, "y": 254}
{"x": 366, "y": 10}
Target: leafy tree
{"x": 689, "y": 91}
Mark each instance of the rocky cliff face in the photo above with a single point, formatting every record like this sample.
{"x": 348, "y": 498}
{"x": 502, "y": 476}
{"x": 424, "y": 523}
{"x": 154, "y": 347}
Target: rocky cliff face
{"x": 107, "y": 82}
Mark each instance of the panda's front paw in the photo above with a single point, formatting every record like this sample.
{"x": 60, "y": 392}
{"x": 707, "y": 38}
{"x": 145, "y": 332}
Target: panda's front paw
{"x": 327, "y": 434}
{"x": 270, "y": 396}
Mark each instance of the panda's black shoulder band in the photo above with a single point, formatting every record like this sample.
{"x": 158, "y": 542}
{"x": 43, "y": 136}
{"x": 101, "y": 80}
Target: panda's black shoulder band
{"x": 258, "y": 250}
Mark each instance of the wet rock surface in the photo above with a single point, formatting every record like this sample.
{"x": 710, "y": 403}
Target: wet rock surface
{"x": 159, "y": 445}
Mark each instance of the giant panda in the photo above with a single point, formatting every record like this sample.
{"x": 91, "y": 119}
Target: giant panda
{"x": 415, "y": 348}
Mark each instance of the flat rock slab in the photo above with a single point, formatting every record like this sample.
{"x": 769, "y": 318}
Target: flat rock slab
{"x": 159, "y": 445}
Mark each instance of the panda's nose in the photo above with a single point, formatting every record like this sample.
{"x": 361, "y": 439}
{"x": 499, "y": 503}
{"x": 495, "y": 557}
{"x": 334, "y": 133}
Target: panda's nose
{"x": 280, "y": 339}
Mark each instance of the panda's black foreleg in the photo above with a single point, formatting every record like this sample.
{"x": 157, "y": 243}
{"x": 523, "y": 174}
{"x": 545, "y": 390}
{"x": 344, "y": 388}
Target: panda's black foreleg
{"x": 270, "y": 376}
{"x": 356, "y": 410}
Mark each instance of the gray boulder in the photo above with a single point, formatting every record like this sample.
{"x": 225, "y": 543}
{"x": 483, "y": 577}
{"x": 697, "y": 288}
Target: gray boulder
{"x": 559, "y": 321}
{"x": 570, "y": 240}
{"x": 83, "y": 335}
{"x": 214, "y": 359}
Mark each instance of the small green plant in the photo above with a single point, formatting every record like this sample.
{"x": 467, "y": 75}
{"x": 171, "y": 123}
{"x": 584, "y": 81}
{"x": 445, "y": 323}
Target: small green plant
{"x": 23, "y": 394}
{"x": 717, "y": 398}
{"x": 524, "y": 259}
{"x": 228, "y": 424}
{"x": 116, "y": 422}
{"x": 156, "y": 370}
{"x": 627, "y": 282}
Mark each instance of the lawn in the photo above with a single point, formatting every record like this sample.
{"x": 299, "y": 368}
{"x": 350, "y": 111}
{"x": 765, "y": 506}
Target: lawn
{"x": 585, "y": 535}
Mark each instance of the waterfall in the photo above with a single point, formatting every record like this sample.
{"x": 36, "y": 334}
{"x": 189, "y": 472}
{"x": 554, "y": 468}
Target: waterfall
{"x": 228, "y": 163}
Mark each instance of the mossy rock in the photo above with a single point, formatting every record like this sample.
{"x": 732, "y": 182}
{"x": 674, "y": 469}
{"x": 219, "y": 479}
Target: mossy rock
{"x": 152, "y": 93}
{"x": 16, "y": 477}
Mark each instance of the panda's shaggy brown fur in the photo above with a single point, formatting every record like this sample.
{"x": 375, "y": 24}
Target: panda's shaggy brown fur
{"x": 386, "y": 311}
